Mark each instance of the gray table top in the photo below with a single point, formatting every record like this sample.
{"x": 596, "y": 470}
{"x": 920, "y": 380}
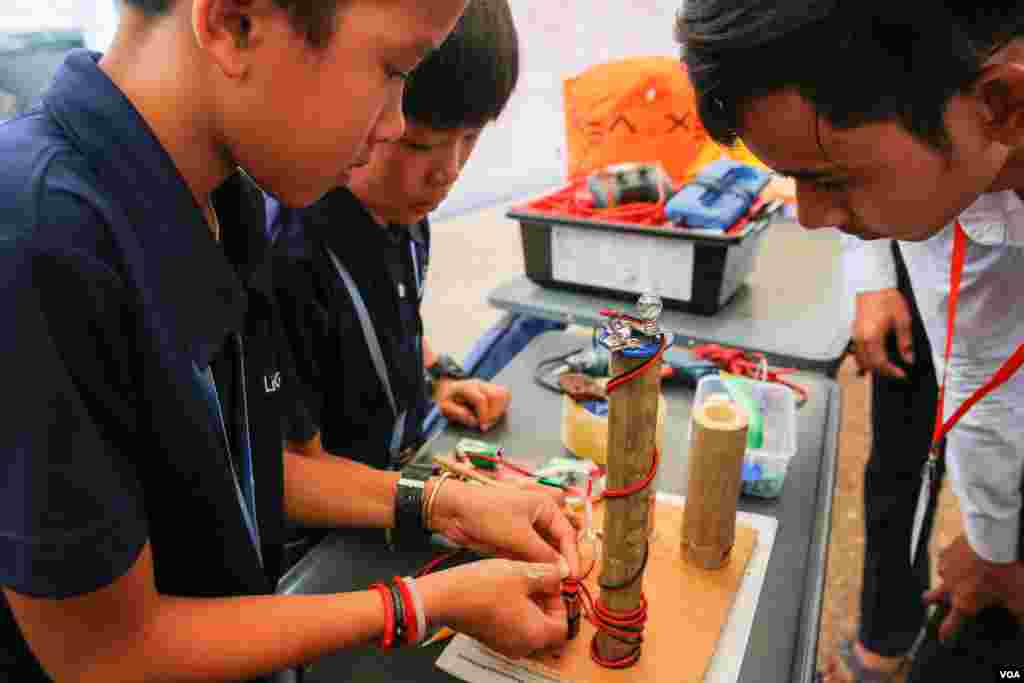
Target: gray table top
{"x": 793, "y": 307}
{"x": 783, "y": 642}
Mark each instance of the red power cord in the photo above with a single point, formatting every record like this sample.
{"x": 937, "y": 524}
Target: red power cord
{"x": 437, "y": 562}
{"x": 575, "y": 200}
{"x": 753, "y": 365}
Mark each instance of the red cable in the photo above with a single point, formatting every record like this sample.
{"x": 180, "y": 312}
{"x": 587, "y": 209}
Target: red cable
{"x": 436, "y": 562}
{"x": 626, "y": 627}
{"x": 737, "y": 362}
{"x": 567, "y": 202}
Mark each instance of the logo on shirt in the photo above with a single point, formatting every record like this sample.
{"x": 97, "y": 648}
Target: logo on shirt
{"x": 272, "y": 382}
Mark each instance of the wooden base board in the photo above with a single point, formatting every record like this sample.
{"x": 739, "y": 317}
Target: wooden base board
{"x": 687, "y": 610}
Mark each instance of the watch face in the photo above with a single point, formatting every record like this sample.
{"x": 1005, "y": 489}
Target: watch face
{"x": 649, "y": 307}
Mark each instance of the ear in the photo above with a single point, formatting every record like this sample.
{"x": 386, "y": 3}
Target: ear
{"x": 228, "y": 30}
{"x": 1001, "y": 91}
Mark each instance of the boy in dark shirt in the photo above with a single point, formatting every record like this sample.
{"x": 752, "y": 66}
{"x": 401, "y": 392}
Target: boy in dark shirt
{"x": 354, "y": 265}
{"x": 143, "y": 485}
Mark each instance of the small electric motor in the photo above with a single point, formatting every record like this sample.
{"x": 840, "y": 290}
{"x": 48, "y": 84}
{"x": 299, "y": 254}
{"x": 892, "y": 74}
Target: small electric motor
{"x": 629, "y": 183}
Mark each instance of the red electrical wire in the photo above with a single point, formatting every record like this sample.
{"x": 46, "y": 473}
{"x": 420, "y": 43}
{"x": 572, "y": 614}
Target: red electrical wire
{"x": 575, "y": 200}
{"x": 436, "y": 562}
{"x": 753, "y": 365}
{"x": 626, "y": 627}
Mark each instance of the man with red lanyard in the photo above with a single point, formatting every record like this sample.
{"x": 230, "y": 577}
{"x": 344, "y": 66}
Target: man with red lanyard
{"x": 915, "y": 130}
{"x": 969, "y": 278}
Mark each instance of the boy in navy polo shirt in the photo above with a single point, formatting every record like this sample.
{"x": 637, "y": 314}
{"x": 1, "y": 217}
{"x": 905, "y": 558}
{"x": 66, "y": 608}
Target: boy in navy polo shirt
{"x": 353, "y": 266}
{"x": 143, "y": 485}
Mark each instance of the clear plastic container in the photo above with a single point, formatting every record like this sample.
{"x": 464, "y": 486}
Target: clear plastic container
{"x": 771, "y": 432}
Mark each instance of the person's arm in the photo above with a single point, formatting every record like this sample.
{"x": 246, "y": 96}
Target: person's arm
{"x": 880, "y": 309}
{"x": 330, "y": 490}
{"x": 322, "y": 489}
{"x": 127, "y": 631}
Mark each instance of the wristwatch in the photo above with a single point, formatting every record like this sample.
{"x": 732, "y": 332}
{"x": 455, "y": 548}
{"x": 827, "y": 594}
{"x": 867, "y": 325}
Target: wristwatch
{"x": 410, "y": 530}
{"x": 444, "y": 367}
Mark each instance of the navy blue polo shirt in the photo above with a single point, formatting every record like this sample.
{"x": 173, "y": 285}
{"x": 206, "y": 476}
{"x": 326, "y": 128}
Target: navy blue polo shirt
{"x": 114, "y": 294}
{"x": 345, "y": 396}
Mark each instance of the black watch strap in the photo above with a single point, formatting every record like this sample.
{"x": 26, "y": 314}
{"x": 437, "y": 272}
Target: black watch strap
{"x": 446, "y": 366}
{"x": 409, "y": 525}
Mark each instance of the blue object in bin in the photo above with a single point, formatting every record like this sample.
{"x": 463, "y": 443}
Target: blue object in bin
{"x": 598, "y": 408}
{"x": 758, "y": 483}
{"x": 719, "y": 196}
{"x": 751, "y": 472}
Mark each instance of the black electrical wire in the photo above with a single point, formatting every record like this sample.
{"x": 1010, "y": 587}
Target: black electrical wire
{"x": 541, "y": 374}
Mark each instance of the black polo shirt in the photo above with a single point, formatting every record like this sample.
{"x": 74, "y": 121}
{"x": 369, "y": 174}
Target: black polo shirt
{"x": 114, "y": 294}
{"x": 346, "y": 398}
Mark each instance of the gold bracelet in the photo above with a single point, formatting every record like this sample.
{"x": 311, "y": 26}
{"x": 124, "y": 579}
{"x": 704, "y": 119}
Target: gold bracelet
{"x": 429, "y": 507}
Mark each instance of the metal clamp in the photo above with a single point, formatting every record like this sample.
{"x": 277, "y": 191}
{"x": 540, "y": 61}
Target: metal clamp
{"x": 620, "y": 327}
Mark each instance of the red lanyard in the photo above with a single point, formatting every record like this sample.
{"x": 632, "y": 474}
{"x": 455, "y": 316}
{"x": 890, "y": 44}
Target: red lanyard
{"x": 1004, "y": 372}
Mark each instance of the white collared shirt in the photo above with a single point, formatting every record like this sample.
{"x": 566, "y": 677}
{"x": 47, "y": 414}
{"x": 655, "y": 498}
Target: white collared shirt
{"x": 985, "y": 451}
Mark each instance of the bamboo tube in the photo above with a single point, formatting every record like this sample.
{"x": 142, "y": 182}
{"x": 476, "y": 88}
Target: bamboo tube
{"x": 715, "y": 470}
{"x": 632, "y": 417}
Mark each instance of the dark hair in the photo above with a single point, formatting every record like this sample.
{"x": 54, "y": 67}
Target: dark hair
{"x": 469, "y": 79}
{"x": 313, "y": 18}
{"x": 856, "y": 62}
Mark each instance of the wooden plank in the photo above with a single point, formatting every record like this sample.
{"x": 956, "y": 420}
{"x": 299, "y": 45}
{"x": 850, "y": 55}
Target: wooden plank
{"x": 688, "y": 608}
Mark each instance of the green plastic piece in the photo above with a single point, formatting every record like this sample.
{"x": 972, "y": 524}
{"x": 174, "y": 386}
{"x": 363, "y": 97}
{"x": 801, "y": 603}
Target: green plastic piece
{"x": 482, "y": 454}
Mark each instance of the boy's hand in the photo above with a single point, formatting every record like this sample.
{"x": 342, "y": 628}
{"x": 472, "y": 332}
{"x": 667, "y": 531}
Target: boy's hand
{"x": 472, "y": 402}
{"x": 514, "y": 608}
{"x": 521, "y": 524}
{"x": 878, "y": 314}
{"x": 970, "y": 584}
